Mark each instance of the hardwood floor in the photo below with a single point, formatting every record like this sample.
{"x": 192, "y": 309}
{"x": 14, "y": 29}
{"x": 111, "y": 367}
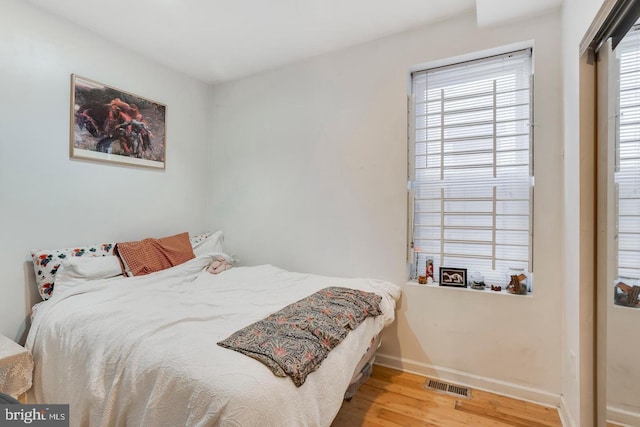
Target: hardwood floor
{"x": 392, "y": 398}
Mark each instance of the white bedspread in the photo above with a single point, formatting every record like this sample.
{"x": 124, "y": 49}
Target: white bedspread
{"x": 142, "y": 351}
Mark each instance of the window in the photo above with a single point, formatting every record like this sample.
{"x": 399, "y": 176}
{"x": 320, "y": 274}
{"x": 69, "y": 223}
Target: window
{"x": 627, "y": 167}
{"x": 471, "y": 176}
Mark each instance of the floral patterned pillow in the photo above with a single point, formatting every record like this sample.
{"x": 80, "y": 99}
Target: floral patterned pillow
{"x": 47, "y": 261}
{"x": 196, "y": 240}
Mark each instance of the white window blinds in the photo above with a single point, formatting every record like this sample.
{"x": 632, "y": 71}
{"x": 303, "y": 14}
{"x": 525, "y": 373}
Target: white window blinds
{"x": 472, "y": 180}
{"x": 627, "y": 175}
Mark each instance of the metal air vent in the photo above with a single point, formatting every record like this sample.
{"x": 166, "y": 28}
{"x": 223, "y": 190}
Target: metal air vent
{"x": 451, "y": 389}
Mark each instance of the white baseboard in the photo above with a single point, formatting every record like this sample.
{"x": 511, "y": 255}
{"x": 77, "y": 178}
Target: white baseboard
{"x": 565, "y": 416}
{"x": 492, "y": 385}
{"x": 622, "y": 417}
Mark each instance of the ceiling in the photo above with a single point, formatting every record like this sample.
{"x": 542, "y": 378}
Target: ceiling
{"x": 219, "y": 40}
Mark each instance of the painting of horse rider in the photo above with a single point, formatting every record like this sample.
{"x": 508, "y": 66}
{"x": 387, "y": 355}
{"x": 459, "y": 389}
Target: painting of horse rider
{"x": 112, "y": 125}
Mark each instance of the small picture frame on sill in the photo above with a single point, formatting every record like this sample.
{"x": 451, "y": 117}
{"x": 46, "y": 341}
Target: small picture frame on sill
{"x": 453, "y": 277}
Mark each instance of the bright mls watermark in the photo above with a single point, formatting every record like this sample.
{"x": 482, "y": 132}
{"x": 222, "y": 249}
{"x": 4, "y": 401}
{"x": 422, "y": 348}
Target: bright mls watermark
{"x": 34, "y": 415}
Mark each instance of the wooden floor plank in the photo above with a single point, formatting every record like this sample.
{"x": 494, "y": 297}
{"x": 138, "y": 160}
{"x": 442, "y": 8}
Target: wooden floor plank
{"x": 392, "y": 398}
{"x": 493, "y": 414}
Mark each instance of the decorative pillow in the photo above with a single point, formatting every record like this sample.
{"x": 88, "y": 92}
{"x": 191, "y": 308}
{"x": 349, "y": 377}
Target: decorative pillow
{"x": 47, "y": 261}
{"x": 213, "y": 243}
{"x": 74, "y": 271}
{"x": 151, "y": 255}
{"x": 197, "y": 239}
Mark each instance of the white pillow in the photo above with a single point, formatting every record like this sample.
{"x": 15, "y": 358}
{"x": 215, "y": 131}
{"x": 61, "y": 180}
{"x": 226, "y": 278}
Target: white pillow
{"x": 213, "y": 243}
{"x": 78, "y": 270}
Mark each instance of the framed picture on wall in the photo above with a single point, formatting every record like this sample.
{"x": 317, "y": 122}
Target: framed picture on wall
{"x": 111, "y": 125}
{"x": 453, "y": 277}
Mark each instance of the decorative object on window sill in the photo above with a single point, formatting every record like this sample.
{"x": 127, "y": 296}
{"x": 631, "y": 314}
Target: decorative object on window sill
{"x": 516, "y": 281}
{"x": 453, "y": 277}
{"x": 429, "y": 270}
{"x": 111, "y": 125}
{"x": 627, "y": 295}
{"x": 518, "y": 284}
{"x": 422, "y": 280}
{"x": 496, "y": 288}
{"x": 477, "y": 281}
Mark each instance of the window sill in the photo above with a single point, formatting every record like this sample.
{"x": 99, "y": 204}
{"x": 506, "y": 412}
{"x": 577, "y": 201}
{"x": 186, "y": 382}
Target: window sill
{"x": 622, "y": 307}
{"x": 486, "y": 290}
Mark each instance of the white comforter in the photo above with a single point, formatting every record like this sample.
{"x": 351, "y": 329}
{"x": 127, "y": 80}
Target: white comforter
{"x": 142, "y": 351}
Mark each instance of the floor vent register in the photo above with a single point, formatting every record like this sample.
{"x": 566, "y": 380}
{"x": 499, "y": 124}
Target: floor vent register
{"x": 452, "y": 389}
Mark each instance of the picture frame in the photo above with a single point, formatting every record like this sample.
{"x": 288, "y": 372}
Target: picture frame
{"x": 453, "y": 277}
{"x": 115, "y": 126}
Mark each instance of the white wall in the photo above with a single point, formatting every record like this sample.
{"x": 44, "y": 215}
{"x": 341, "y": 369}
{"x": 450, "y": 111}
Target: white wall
{"x": 50, "y": 201}
{"x": 315, "y": 149}
{"x": 310, "y": 174}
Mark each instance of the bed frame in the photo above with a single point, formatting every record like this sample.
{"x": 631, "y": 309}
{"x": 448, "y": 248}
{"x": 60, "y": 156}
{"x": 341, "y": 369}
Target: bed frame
{"x": 363, "y": 369}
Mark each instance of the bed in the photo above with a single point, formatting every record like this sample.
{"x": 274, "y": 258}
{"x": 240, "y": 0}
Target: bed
{"x": 142, "y": 351}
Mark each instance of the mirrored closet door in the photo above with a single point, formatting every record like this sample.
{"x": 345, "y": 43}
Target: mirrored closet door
{"x": 618, "y": 228}
{"x": 623, "y": 258}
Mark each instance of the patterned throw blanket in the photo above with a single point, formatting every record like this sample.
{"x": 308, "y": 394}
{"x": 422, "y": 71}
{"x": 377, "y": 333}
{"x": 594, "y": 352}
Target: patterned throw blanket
{"x": 295, "y": 340}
